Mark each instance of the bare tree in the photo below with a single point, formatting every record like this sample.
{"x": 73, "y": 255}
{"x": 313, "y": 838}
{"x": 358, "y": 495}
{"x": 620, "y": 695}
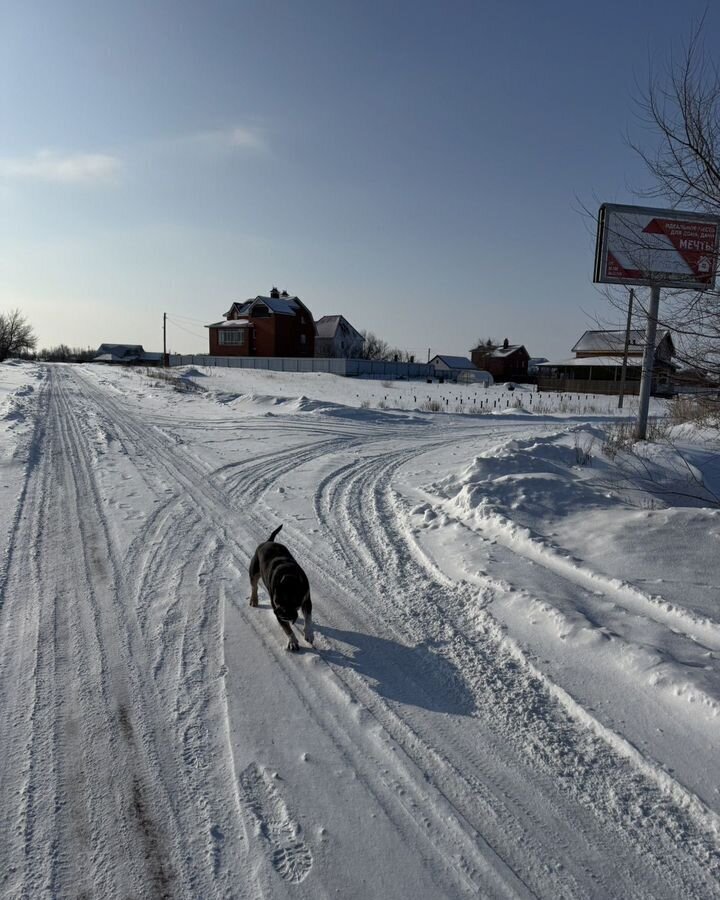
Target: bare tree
{"x": 398, "y": 355}
{"x": 16, "y": 334}
{"x": 681, "y": 109}
{"x": 483, "y": 349}
{"x": 374, "y": 347}
{"x": 63, "y": 353}
{"x": 489, "y": 343}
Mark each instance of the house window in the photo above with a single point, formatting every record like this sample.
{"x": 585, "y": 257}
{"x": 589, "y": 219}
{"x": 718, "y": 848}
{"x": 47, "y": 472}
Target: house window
{"x": 234, "y": 336}
{"x": 303, "y": 339}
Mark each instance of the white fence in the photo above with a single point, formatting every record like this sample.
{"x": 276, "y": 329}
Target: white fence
{"x": 365, "y": 368}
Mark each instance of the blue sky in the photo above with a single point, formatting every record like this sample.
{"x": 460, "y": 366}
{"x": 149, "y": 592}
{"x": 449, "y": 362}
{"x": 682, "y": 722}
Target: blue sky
{"x": 418, "y": 167}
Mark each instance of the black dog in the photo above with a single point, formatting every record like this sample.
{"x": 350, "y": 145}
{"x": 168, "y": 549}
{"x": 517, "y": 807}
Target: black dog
{"x": 287, "y": 585}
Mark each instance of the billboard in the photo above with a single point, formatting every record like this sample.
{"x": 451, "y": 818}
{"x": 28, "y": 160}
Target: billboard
{"x": 660, "y": 247}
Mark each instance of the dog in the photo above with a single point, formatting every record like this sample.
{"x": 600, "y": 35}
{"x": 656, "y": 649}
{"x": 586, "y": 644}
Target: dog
{"x": 287, "y": 585}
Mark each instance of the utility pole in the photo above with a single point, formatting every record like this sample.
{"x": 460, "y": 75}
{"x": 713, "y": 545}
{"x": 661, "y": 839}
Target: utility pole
{"x": 164, "y": 340}
{"x": 648, "y": 363}
{"x": 625, "y": 350}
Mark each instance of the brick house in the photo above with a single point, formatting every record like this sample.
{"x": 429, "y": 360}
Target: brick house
{"x": 508, "y": 362}
{"x": 278, "y": 325}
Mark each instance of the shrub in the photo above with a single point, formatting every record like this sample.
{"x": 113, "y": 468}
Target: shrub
{"x": 704, "y": 410}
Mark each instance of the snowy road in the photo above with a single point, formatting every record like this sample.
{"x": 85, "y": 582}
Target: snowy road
{"x": 158, "y": 741}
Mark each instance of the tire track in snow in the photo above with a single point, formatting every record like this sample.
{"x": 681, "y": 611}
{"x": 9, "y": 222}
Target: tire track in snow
{"x": 392, "y": 794}
{"x": 364, "y": 506}
{"x": 55, "y": 797}
{"x": 460, "y": 781}
{"x": 159, "y": 761}
{"x": 396, "y": 559}
{"x": 40, "y": 761}
{"x": 200, "y": 830}
{"x": 448, "y": 822}
{"x": 26, "y": 647}
{"x": 410, "y": 741}
{"x": 132, "y": 732}
{"x": 702, "y": 630}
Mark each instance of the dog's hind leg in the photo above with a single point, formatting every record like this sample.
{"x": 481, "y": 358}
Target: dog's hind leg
{"x": 287, "y": 628}
{"x": 254, "y": 578}
{"x": 306, "y": 608}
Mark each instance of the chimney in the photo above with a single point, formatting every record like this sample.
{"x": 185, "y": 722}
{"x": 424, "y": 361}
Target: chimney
{"x": 506, "y": 344}
{"x": 284, "y": 294}
{"x": 274, "y": 293}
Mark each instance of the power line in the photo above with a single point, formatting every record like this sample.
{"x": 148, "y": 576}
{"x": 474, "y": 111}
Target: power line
{"x": 186, "y": 330}
{"x": 188, "y": 318}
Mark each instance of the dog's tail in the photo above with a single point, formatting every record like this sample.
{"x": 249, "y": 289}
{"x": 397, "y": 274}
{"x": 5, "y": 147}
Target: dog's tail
{"x": 273, "y": 535}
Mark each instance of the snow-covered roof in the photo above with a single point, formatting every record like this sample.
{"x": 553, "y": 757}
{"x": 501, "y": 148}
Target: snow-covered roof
{"x": 594, "y": 361}
{"x": 499, "y": 352}
{"x": 121, "y": 349}
{"x": 454, "y": 362}
{"x": 613, "y": 341}
{"x": 506, "y": 351}
{"x": 282, "y": 306}
{"x": 327, "y": 326}
{"x": 125, "y": 353}
{"x": 230, "y": 323}
{"x": 241, "y": 309}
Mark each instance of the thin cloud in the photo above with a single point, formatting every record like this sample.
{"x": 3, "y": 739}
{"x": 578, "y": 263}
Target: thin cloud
{"x": 252, "y": 138}
{"x": 228, "y": 139}
{"x": 76, "y": 168}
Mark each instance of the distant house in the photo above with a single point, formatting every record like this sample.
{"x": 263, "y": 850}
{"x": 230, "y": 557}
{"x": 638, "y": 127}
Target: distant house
{"x": 598, "y": 361}
{"x": 277, "y": 325}
{"x": 612, "y": 343}
{"x": 126, "y": 355}
{"x": 336, "y": 338}
{"x": 458, "y": 368}
{"x": 508, "y": 362}
{"x": 534, "y": 362}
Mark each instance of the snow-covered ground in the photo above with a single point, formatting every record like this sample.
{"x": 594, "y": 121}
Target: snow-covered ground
{"x": 515, "y": 684}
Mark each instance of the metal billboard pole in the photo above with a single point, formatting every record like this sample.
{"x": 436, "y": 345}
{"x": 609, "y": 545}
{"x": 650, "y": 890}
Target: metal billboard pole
{"x": 625, "y": 349}
{"x": 648, "y": 363}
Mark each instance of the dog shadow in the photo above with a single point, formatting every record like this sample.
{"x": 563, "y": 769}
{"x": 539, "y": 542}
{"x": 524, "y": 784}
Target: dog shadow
{"x": 416, "y": 676}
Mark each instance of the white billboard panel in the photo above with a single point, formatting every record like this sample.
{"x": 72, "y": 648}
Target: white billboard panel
{"x": 661, "y": 247}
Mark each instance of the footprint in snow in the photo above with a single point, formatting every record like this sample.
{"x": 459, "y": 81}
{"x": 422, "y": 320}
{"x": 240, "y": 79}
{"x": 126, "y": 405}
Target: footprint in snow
{"x": 289, "y": 855}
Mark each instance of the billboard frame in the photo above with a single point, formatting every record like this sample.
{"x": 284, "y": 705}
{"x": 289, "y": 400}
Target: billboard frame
{"x": 600, "y": 273}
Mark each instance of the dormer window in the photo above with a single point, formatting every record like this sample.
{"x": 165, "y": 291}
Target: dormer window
{"x": 260, "y": 311}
